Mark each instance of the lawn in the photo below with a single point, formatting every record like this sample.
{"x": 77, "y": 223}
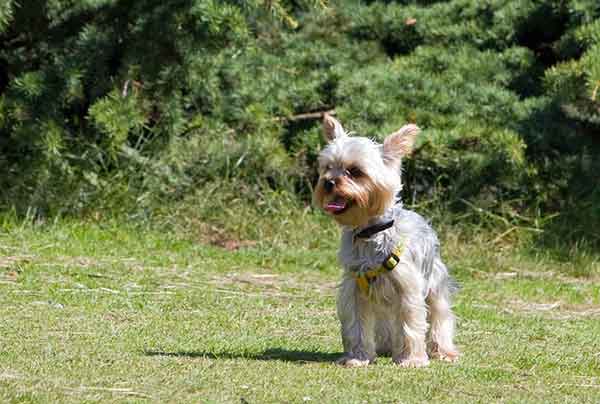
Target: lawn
{"x": 112, "y": 312}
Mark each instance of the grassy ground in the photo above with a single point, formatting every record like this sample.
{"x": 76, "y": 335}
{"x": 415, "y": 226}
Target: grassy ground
{"x": 107, "y": 312}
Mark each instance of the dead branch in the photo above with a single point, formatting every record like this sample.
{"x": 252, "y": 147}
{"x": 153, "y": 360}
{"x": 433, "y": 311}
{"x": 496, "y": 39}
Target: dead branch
{"x": 305, "y": 116}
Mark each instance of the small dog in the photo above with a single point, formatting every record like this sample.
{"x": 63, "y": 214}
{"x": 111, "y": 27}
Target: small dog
{"x": 395, "y": 293}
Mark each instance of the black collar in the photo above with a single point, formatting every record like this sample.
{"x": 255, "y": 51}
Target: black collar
{"x": 376, "y": 228}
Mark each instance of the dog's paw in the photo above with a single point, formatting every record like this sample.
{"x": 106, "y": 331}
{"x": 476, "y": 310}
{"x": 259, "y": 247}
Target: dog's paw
{"x": 351, "y": 362}
{"x": 446, "y": 356}
{"x": 412, "y": 361}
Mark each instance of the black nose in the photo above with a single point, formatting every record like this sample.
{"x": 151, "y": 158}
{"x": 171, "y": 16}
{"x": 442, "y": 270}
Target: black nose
{"x": 329, "y": 185}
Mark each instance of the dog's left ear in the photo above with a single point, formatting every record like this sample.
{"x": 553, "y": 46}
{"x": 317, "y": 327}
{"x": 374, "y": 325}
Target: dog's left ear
{"x": 399, "y": 144}
{"x": 332, "y": 129}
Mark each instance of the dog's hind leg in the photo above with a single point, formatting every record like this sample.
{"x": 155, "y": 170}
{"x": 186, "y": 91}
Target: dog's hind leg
{"x": 441, "y": 333}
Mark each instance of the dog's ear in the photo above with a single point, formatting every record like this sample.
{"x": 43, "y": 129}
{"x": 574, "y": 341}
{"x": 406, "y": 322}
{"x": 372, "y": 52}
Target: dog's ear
{"x": 399, "y": 144}
{"x": 332, "y": 129}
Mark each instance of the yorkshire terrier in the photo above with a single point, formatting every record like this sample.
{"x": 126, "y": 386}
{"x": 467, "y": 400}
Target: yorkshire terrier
{"x": 394, "y": 297}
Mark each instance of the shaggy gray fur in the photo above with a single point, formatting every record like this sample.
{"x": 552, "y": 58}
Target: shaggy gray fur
{"x": 407, "y": 311}
{"x": 422, "y": 247}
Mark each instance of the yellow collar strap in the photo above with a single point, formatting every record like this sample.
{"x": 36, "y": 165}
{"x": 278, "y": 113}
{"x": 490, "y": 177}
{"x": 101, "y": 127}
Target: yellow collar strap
{"x": 365, "y": 278}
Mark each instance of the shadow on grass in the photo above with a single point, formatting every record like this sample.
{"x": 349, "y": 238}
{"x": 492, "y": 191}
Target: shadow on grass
{"x": 277, "y": 354}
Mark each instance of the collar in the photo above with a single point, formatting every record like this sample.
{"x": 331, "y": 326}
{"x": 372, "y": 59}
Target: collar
{"x": 374, "y": 229}
{"x": 383, "y": 223}
{"x": 364, "y": 279}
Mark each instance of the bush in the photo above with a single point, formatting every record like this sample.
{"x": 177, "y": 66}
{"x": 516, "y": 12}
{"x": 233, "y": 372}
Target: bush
{"x": 131, "y": 105}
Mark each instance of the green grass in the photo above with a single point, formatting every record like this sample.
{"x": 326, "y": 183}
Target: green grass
{"x": 113, "y": 312}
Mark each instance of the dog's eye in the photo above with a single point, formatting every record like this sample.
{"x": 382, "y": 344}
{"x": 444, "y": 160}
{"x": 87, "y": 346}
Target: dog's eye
{"x": 354, "y": 172}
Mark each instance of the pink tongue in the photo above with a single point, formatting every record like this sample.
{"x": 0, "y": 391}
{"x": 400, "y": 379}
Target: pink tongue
{"x": 335, "y": 206}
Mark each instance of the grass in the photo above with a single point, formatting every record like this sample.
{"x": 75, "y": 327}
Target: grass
{"x": 114, "y": 312}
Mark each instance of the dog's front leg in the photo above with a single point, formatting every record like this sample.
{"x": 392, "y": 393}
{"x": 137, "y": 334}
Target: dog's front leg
{"x": 409, "y": 319}
{"x": 358, "y": 325}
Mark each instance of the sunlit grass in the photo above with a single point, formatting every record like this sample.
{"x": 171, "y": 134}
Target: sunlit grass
{"x": 109, "y": 311}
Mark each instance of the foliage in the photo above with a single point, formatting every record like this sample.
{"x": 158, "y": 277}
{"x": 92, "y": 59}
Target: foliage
{"x": 127, "y": 106}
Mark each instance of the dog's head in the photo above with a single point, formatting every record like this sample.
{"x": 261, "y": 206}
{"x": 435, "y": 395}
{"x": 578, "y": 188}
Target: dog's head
{"x": 359, "y": 178}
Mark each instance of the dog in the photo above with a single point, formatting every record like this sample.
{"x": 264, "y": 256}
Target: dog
{"x": 394, "y": 297}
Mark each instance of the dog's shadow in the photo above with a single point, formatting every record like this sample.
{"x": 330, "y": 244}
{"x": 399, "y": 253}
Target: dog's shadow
{"x": 272, "y": 354}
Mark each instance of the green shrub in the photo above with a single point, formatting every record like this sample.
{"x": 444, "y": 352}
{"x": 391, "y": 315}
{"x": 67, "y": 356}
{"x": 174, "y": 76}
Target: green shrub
{"x": 132, "y": 106}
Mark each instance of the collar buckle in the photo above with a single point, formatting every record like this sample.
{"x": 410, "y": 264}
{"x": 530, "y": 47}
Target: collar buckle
{"x": 364, "y": 279}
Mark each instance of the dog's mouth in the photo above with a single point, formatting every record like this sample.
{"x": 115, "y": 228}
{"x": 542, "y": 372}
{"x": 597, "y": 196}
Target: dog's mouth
{"x": 338, "y": 206}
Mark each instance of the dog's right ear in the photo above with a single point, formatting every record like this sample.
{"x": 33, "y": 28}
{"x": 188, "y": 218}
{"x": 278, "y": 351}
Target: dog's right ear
{"x": 332, "y": 129}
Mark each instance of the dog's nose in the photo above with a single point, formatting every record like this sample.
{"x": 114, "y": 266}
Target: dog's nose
{"x": 329, "y": 185}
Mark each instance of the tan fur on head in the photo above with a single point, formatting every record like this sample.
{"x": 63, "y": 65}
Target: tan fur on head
{"x": 374, "y": 189}
{"x": 367, "y": 198}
